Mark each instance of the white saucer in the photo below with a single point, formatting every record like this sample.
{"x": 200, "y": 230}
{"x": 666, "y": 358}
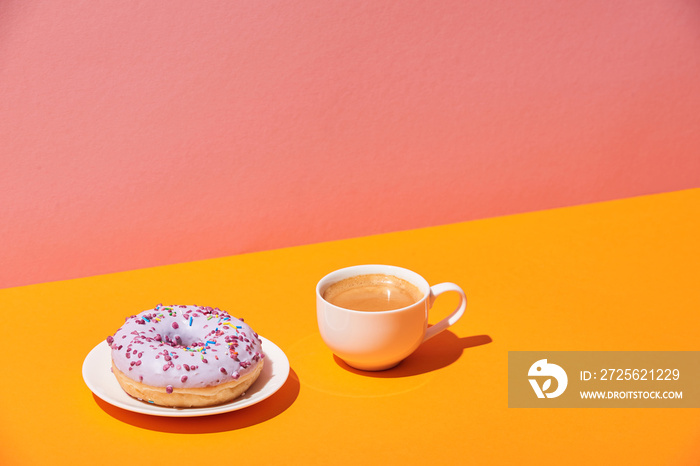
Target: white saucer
{"x": 98, "y": 376}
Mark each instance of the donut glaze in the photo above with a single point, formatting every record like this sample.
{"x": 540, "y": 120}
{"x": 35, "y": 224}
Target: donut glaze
{"x": 185, "y": 347}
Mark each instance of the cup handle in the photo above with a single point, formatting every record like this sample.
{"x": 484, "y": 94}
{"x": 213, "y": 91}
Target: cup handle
{"x": 437, "y": 290}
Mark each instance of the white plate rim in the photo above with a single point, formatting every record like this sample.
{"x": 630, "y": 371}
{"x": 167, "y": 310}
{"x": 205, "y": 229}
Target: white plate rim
{"x": 98, "y": 377}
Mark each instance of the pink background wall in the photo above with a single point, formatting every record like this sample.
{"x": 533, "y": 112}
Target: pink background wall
{"x": 135, "y": 134}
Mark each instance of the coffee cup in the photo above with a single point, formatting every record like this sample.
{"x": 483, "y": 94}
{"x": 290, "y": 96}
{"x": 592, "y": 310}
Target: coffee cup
{"x": 374, "y": 316}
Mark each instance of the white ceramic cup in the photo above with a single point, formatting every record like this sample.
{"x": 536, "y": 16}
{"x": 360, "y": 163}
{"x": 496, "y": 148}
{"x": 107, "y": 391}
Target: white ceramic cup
{"x": 374, "y": 341}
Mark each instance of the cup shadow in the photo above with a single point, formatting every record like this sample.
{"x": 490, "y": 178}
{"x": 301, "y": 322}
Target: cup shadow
{"x": 234, "y": 420}
{"x": 438, "y": 352}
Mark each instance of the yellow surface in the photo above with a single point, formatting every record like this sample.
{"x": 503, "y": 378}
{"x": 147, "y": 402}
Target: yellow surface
{"x": 620, "y": 275}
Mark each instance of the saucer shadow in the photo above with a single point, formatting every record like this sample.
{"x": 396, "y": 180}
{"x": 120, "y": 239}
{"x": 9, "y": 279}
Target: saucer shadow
{"x": 273, "y": 406}
{"x": 438, "y": 352}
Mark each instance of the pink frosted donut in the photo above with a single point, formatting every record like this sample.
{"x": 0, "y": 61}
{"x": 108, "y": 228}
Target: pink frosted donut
{"x": 185, "y": 356}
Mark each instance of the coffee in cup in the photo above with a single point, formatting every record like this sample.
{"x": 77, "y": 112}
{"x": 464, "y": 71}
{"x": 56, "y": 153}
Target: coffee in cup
{"x": 373, "y": 293}
{"x": 362, "y": 323}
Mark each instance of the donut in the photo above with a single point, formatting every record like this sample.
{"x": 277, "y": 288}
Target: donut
{"x": 185, "y": 356}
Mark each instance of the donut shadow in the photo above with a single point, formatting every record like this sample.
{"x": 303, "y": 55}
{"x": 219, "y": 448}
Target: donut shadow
{"x": 440, "y": 351}
{"x": 260, "y": 412}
